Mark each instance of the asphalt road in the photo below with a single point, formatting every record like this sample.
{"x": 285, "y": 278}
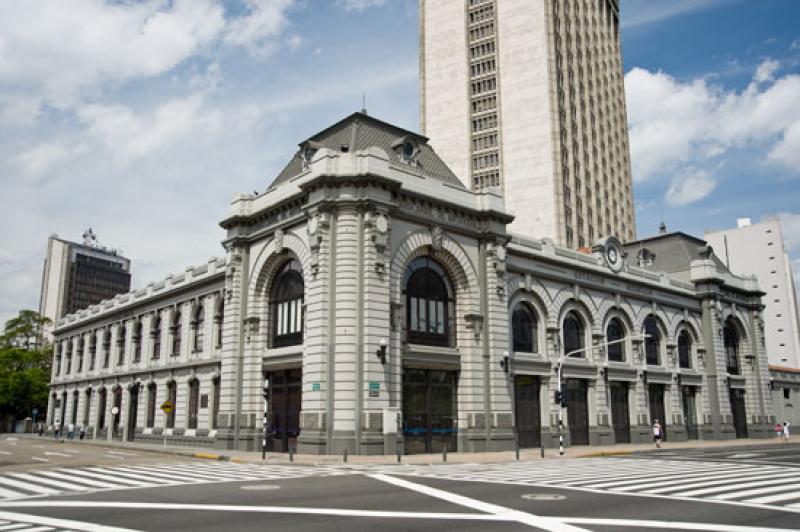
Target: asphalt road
{"x": 730, "y": 489}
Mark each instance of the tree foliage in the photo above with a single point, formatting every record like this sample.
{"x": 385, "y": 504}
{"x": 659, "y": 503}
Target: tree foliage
{"x": 24, "y": 366}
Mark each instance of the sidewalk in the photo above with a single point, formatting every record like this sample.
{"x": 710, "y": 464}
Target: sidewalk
{"x": 418, "y": 459}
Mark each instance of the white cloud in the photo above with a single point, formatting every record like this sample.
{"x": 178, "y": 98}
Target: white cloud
{"x": 676, "y": 126}
{"x": 690, "y": 188}
{"x": 129, "y": 135}
{"x": 640, "y": 12}
{"x": 766, "y": 71}
{"x": 359, "y": 5}
{"x": 40, "y": 159}
{"x": 265, "y": 20}
{"x": 795, "y": 45}
{"x": 49, "y": 47}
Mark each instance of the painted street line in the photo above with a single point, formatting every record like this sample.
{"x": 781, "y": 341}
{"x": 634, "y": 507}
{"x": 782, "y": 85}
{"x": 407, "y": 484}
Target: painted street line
{"x": 79, "y": 480}
{"x": 51, "y": 453}
{"x": 39, "y": 459}
{"x": 506, "y": 514}
{"x": 49, "y": 482}
{"x": 66, "y": 524}
{"x": 122, "y": 453}
{"x": 511, "y": 516}
{"x": 671, "y": 479}
{"x": 27, "y": 486}
{"x": 4, "y": 452}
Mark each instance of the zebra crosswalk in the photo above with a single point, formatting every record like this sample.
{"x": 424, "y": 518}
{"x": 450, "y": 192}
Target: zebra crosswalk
{"x": 747, "y": 484}
{"x": 74, "y": 480}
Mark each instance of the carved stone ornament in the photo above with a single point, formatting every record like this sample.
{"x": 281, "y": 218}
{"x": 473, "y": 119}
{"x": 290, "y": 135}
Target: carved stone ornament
{"x": 279, "y": 237}
{"x": 475, "y": 324}
{"x": 436, "y": 238}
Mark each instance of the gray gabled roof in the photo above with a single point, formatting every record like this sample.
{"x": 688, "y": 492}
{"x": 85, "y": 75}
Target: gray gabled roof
{"x": 360, "y": 131}
{"x": 674, "y": 252}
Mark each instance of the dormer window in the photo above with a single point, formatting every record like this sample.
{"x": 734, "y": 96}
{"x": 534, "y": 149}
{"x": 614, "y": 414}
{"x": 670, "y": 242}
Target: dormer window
{"x": 645, "y": 258}
{"x": 307, "y": 152}
{"x": 407, "y": 149}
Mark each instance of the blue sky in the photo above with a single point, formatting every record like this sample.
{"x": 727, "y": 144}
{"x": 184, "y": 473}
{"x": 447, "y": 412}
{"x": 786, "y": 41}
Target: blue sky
{"x": 142, "y": 119}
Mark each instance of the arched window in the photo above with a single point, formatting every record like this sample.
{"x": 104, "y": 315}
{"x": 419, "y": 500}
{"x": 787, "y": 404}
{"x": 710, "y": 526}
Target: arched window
{"x": 106, "y": 347}
{"x": 684, "y": 350}
{"x": 177, "y": 332}
{"x": 523, "y": 324}
{"x": 731, "y": 340}
{"x": 80, "y": 354}
{"x": 573, "y": 332}
{"x": 615, "y": 331}
{"x": 199, "y": 329}
{"x": 155, "y": 333}
{"x": 121, "y": 334}
{"x": 172, "y": 397}
{"x": 194, "y": 403}
{"x": 430, "y": 304}
{"x": 652, "y": 344}
{"x": 287, "y": 305}
{"x": 92, "y": 349}
{"x": 151, "y": 405}
{"x": 137, "y": 341}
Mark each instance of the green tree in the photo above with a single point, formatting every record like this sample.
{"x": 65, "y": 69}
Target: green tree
{"x": 24, "y": 366}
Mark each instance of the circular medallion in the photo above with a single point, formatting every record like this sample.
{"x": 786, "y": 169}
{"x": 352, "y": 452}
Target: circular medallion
{"x": 614, "y": 254}
{"x": 381, "y": 224}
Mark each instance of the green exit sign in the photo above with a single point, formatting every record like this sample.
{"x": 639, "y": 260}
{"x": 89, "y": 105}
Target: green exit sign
{"x": 315, "y": 387}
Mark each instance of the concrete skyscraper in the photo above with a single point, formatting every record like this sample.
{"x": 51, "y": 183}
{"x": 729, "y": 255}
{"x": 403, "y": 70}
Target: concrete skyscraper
{"x": 528, "y": 96}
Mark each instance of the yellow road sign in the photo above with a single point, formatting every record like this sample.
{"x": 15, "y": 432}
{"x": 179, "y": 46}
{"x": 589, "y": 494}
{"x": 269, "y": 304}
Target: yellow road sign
{"x": 166, "y": 407}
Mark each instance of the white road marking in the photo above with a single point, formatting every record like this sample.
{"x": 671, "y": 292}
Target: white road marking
{"x": 677, "y": 525}
{"x": 508, "y": 514}
{"x": 73, "y": 478}
{"x": 748, "y": 493}
{"x": 4, "y": 452}
{"x": 51, "y": 453}
{"x": 61, "y": 523}
{"x": 33, "y": 488}
{"x": 14, "y": 526}
{"x": 564, "y": 521}
{"x": 117, "y": 480}
{"x": 9, "y": 494}
{"x": 38, "y": 459}
{"x": 49, "y": 482}
{"x": 122, "y": 453}
{"x": 721, "y": 479}
{"x": 769, "y": 499}
{"x": 730, "y": 487}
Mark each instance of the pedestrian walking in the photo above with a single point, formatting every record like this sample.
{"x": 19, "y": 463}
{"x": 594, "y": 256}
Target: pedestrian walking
{"x": 41, "y": 429}
{"x": 56, "y": 428}
{"x": 786, "y": 431}
{"x": 779, "y": 430}
{"x": 71, "y": 431}
{"x": 83, "y": 432}
{"x": 658, "y": 433}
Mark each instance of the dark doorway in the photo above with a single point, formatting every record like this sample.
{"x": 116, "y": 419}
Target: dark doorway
{"x": 527, "y": 416}
{"x": 688, "y": 394}
{"x": 578, "y": 411}
{"x": 657, "y": 412}
{"x": 133, "y": 411}
{"x": 116, "y": 417}
{"x": 74, "y": 413}
{"x": 284, "y": 408}
{"x": 429, "y": 410}
{"x": 194, "y": 403}
{"x": 738, "y": 412}
{"x": 620, "y": 413}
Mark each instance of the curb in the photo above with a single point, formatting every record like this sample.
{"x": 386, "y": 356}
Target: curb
{"x": 211, "y": 456}
{"x": 599, "y": 454}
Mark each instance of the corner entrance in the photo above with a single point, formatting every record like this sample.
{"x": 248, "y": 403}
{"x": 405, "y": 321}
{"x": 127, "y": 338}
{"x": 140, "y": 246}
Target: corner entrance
{"x": 527, "y": 415}
{"x": 429, "y": 410}
{"x": 657, "y": 411}
{"x": 738, "y": 411}
{"x": 620, "y": 413}
{"x": 577, "y": 411}
{"x": 688, "y": 394}
{"x": 284, "y": 408}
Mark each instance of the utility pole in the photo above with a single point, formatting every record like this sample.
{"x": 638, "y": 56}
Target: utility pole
{"x": 561, "y": 399}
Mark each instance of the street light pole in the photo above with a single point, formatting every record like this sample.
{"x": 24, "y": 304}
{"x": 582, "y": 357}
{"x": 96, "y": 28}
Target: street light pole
{"x": 265, "y": 393}
{"x": 560, "y": 393}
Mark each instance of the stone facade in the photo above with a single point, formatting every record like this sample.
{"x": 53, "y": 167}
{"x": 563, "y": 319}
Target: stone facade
{"x": 381, "y": 366}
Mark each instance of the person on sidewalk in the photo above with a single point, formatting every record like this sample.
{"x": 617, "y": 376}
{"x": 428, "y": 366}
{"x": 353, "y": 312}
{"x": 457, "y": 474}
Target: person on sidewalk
{"x": 71, "y": 431}
{"x": 56, "y": 428}
{"x": 83, "y": 432}
{"x": 658, "y": 434}
{"x": 786, "y": 431}
{"x": 41, "y": 429}
{"x": 779, "y": 430}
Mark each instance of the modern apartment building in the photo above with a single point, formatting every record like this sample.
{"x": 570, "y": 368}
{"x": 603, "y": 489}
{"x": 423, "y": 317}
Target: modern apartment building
{"x": 757, "y": 249}
{"x": 79, "y": 275}
{"x": 528, "y": 96}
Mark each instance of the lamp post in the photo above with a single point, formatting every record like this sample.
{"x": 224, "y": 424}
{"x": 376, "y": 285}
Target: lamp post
{"x": 560, "y": 392}
{"x": 265, "y": 393}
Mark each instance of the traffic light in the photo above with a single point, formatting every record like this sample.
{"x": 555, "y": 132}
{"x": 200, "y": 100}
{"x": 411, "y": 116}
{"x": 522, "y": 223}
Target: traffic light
{"x": 561, "y": 398}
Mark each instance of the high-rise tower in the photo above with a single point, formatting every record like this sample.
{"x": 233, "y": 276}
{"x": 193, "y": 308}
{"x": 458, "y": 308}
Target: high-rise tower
{"x": 528, "y": 96}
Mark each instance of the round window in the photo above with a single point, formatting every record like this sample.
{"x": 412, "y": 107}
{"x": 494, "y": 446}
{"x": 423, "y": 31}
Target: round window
{"x": 408, "y": 149}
